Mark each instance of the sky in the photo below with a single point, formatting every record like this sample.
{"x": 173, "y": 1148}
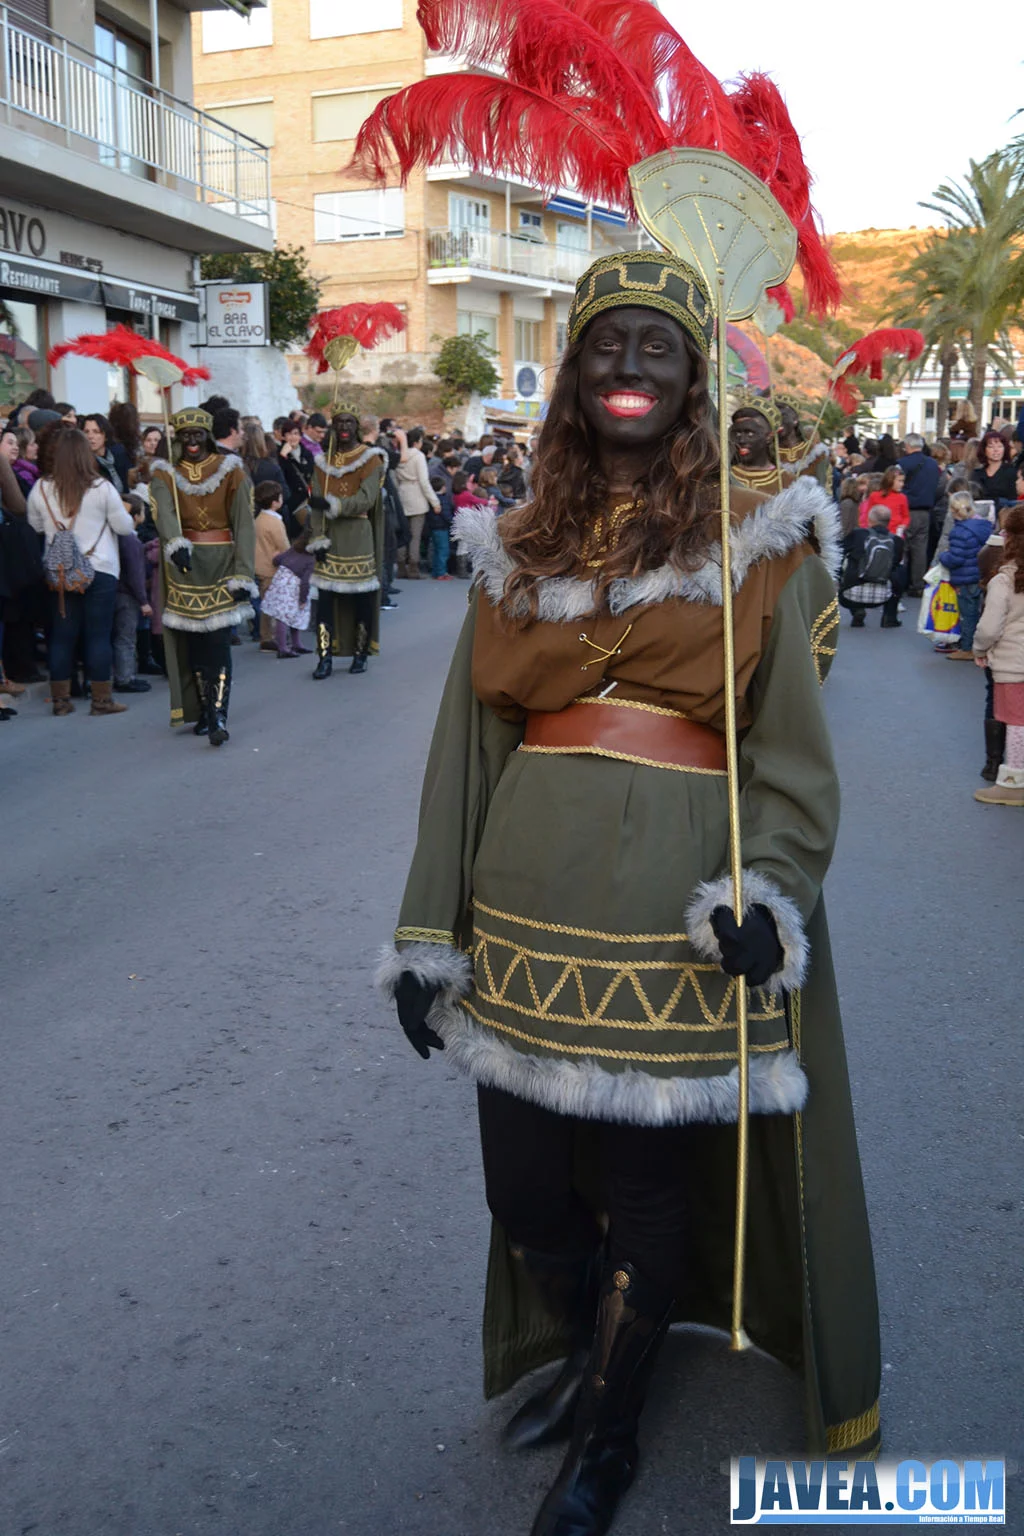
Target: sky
{"x": 890, "y": 100}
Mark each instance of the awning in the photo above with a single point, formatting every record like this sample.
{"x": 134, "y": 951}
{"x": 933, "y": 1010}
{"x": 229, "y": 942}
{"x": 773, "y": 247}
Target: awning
{"x": 150, "y": 301}
{"x": 25, "y": 279}
{"x": 578, "y": 210}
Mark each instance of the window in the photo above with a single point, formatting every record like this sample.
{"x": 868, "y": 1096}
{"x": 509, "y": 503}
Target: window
{"x": 470, "y": 322}
{"x": 930, "y": 408}
{"x": 468, "y": 212}
{"x": 527, "y": 341}
{"x": 531, "y": 225}
{"x": 341, "y": 114}
{"x": 377, "y": 214}
{"x": 120, "y": 107}
{"x": 224, "y": 30}
{"x": 254, "y": 118}
{"x": 571, "y": 234}
{"x": 23, "y": 343}
{"x": 347, "y": 18}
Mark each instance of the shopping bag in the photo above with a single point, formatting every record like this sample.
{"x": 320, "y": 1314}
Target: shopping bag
{"x": 939, "y": 617}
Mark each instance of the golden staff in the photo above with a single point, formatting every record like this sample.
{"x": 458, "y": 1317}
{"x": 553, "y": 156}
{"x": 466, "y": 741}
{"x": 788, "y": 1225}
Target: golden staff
{"x": 705, "y": 208}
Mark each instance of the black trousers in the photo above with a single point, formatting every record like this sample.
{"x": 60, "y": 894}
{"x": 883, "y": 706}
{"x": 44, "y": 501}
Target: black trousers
{"x": 528, "y": 1174}
{"x": 362, "y": 607}
{"x": 210, "y": 650}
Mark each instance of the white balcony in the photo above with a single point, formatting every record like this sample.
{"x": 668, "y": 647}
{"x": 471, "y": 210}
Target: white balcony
{"x": 98, "y": 141}
{"x": 499, "y": 260}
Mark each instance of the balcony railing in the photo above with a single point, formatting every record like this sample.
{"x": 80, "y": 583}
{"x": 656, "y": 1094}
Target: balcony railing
{"x": 133, "y": 127}
{"x": 496, "y": 251}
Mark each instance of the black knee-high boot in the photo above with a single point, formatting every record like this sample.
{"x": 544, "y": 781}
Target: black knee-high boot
{"x": 568, "y": 1286}
{"x": 600, "y": 1463}
{"x": 324, "y": 641}
{"x": 202, "y": 725}
{"x": 218, "y": 699}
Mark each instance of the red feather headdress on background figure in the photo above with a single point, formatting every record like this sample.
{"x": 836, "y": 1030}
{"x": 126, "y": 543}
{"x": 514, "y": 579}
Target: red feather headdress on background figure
{"x": 576, "y": 92}
{"x": 867, "y": 356}
{"x": 121, "y": 348}
{"x": 365, "y": 324}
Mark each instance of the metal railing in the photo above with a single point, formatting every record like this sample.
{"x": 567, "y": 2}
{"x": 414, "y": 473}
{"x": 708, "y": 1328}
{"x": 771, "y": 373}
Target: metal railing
{"x": 497, "y": 251}
{"x": 137, "y": 129}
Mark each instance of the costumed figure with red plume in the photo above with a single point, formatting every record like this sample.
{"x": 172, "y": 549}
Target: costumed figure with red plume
{"x": 203, "y": 510}
{"x": 754, "y": 438}
{"x": 614, "y": 919}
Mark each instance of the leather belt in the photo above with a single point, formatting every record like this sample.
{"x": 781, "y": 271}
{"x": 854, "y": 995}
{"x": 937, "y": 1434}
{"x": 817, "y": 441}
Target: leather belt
{"x": 632, "y": 731}
{"x": 212, "y": 536}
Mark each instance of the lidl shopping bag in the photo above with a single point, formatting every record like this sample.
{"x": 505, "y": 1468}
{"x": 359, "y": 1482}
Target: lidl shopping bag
{"x": 940, "y": 613}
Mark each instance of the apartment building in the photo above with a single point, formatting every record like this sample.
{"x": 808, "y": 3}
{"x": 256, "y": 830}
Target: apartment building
{"x": 111, "y": 186}
{"x": 457, "y": 251}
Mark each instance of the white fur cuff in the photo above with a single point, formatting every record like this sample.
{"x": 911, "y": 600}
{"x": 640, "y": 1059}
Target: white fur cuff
{"x": 758, "y": 890}
{"x": 242, "y": 584}
{"x": 323, "y": 542}
{"x": 436, "y": 964}
{"x": 176, "y": 544}
{"x": 333, "y": 506}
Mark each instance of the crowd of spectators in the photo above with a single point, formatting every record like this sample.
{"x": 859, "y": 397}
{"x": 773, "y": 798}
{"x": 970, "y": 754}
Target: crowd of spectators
{"x": 109, "y": 634}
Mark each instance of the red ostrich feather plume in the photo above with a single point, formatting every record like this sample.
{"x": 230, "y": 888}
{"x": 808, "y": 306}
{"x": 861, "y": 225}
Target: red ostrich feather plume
{"x": 868, "y": 354}
{"x": 120, "y": 347}
{"x": 365, "y": 323}
{"x": 784, "y": 299}
{"x": 572, "y": 95}
{"x": 846, "y": 395}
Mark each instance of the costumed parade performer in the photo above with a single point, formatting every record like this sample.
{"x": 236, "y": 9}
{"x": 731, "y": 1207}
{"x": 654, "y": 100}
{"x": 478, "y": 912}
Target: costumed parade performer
{"x": 202, "y": 507}
{"x": 347, "y": 524}
{"x": 796, "y": 454}
{"x": 605, "y": 863}
{"x": 754, "y": 440}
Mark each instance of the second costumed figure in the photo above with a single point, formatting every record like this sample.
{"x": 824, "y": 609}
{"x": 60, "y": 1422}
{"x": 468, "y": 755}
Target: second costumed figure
{"x": 347, "y": 522}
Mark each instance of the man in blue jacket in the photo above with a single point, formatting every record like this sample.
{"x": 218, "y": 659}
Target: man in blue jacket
{"x": 920, "y": 488}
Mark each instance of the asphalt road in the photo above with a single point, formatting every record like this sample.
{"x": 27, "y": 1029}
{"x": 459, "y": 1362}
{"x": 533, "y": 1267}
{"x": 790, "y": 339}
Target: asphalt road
{"x": 242, "y": 1229}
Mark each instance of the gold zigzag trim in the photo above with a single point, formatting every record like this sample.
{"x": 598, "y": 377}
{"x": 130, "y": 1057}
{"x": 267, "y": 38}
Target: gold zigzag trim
{"x": 583, "y": 933}
{"x": 612, "y": 975}
{"x": 843, "y": 1437}
{"x": 824, "y": 629}
{"x": 353, "y": 568}
{"x": 202, "y": 601}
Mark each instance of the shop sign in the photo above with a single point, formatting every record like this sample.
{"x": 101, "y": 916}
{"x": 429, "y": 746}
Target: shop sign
{"x": 236, "y": 315}
{"x": 42, "y": 281}
{"x": 21, "y": 233}
{"x": 143, "y": 301}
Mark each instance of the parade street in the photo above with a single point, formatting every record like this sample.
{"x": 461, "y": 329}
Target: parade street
{"x": 242, "y": 1224}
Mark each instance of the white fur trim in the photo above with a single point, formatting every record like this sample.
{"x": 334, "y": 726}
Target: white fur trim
{"x": 228, "y": 462}
{"x": 226, "y": 620}
{"x": 758, "y": 889}
{"x": 333, "y": 506}
{"x": 370, "y": 452}
{"x": 323, "y": 542}
{"x": 175, "y": 544}
{"x": 808, "y": 458}
{"x": 439, "y": 964}
{"x": 242, "y": 584}
{"x": 772, "y": 530}
{"x": 585, "y": 1090}
{"x": 321, "y": 584}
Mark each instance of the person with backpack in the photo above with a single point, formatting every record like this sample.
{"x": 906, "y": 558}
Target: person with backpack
{"x": 873, "y": 574}
{"x": 80, "y": 516}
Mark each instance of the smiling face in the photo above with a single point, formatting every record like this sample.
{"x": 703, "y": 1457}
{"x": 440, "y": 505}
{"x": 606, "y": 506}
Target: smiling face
{"x": 292, "y": 438}
{"x": 995, "y": 450}
{"x": 193, "y": 443}
{"x": 635, "y": 373}
{"x": 751, "y": 438}
{"x": 345, "y": 429}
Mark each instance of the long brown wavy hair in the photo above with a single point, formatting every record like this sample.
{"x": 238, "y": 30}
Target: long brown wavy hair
{"x": 547, "y": 536}
{"x": 1013, "y": 544}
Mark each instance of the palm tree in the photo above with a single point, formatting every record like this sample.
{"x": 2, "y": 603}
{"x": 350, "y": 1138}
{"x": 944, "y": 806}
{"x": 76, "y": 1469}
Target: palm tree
{"x": 927, "y": 300}
{"x": 979, "y": 263}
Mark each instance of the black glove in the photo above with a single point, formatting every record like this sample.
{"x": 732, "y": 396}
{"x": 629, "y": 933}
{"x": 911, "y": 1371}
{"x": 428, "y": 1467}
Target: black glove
{"x": 415, "y": 999}
{"x": 751, "y": 949}
{"x": 319, "y": 503}
{"x": 321, "y": 555}
{"x": 182, "y": 558}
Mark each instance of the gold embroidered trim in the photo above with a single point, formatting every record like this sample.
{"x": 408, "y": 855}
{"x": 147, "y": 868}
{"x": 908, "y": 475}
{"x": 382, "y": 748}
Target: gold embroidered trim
{"x": 200, "y": 602}
{"x": 583, "y": 933}
{"x": 620, "y": 973}
{"x": 756, "y": 479}
{"x": 347, "y": 568}
{"x": 424, "y": 936}
{"x": 177, "y": 717}
{"x": 843, "y": 1437}
{"x": 650, "y": 709}
{"x": 561, "y": 1047}
{"x": 625, "y": 757}
{"x": 824, "y": 629}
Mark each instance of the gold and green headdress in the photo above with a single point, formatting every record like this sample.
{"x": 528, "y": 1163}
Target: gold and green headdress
{"x": 651, "y": 280}
{"x": 192, "y": 419}
{"x": 746, "y": 400}
{"x": 345, "y": 408}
